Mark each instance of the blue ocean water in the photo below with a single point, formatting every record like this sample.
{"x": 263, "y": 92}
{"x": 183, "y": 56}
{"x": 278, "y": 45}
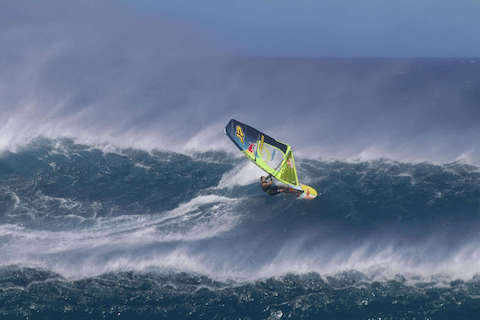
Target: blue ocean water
{"x": 121, "y": 197}
{"x": 107, "y": 233}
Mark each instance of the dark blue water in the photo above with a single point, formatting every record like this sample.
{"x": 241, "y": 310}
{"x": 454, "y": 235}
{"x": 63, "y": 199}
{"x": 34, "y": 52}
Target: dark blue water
{"x": 91, "y": 233}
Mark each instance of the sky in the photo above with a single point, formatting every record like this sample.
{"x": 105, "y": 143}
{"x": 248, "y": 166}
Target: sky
{"x": 407, "y": 28}
{"x": 170, "y": 74}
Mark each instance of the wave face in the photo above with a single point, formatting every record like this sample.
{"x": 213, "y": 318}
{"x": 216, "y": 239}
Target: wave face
{"x": 115, "y": 233}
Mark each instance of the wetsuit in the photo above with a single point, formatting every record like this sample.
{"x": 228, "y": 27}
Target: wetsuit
{"x": 271, "y": 190}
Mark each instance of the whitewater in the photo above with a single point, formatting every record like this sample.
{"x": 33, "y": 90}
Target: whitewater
{"x": 197, "y": 228}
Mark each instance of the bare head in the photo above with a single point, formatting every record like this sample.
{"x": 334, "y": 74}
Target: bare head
{"x": 264, "y": 182}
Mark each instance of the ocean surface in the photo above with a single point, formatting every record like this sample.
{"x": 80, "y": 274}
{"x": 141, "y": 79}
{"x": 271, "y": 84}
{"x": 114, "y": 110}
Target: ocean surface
{"x": 122, "y": 198}
{"x": 98, "y": 232}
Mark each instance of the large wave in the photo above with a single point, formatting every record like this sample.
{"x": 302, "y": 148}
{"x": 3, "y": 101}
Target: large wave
{"x": 82, "y": 211}
{"x": 73, "y": 213}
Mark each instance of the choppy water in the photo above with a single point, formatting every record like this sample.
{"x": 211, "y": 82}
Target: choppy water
{"x": 92, "y": 233}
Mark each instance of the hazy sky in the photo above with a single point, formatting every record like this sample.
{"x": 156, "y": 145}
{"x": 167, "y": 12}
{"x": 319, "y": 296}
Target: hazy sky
{"x": 149, "y": 74}
{"x": 406, "y": 28}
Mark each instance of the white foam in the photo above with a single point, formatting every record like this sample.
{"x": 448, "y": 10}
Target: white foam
{"x": 244, "y": 174}
{"x": 210, "y": 138}
{"x": 82, "y": 252}
{"x": 381, "y": 264}
{"x": 172, "y": 239}
{"x": 92, "y": 252}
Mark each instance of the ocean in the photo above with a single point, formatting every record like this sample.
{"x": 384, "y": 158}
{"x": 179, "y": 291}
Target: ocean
{"x": 121, "y": 197}
{"x": 100, "y": 232}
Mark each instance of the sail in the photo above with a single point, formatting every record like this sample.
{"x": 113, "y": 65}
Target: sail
{"x": 274, "y": 157}
{"x": 288, "y": 171}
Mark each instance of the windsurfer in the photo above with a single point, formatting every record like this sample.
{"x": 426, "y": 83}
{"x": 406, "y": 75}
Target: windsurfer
{"x": 267, "y": 186}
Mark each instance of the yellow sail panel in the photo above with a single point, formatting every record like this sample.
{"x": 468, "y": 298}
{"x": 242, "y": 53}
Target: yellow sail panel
{"x": 287, "y": 172}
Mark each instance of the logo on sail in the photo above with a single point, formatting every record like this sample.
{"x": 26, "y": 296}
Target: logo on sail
{"x": 239, "y": 133}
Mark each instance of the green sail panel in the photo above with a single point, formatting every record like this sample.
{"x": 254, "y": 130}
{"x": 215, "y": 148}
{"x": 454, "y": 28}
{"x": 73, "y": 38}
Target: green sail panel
{"x": 288, "y": 171}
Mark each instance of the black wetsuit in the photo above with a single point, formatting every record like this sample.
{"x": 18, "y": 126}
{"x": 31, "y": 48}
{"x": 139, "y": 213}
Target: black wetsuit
{"x": 271, "y": 190}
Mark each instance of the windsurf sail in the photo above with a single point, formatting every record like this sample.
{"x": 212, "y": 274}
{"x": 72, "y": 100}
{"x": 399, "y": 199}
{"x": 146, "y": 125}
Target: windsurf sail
{"x": 271, "y": 155}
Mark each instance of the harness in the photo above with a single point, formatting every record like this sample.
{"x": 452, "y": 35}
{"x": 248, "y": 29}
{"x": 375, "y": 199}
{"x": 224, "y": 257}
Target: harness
{"x": 271, "y": 190}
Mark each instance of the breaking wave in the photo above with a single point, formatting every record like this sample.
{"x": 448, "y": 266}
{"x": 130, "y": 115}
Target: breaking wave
{"x": 197, "y": 227}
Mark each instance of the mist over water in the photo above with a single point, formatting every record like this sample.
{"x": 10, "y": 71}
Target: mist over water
{"x": 411, "y": 110}
{"x": 120, "y": 196}
{"x": 164, "y": 84}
